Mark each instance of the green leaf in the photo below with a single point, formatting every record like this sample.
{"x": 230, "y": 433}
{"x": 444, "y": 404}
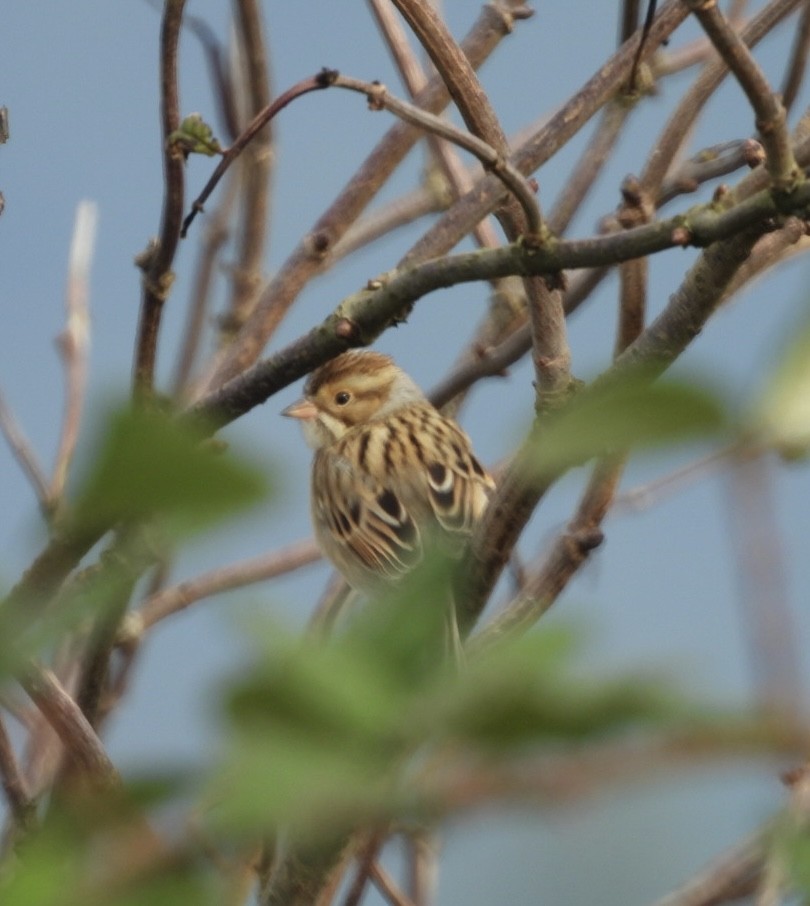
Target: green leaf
{"x": 307, "y": 785}
{"x": 82, "y": 856}
{"x": 782, "y": 414}
{"x": 522, "y": 692}
{"x": 633, "y": 414}
{"x": 149, "y": 466}
{"x": 194, "y": 136}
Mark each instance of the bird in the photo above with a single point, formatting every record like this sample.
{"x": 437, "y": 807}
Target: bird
{"x": 389, "y": 474}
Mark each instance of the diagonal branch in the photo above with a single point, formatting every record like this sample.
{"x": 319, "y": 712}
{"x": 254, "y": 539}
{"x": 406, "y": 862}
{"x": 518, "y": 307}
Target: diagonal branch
{"x": 306, "y": 261}
{"x": 770, "y": 114}
{"x": 379, "y": 98}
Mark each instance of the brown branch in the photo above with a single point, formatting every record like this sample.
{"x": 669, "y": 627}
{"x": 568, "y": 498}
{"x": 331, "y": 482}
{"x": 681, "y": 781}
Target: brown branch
{"x": 710, "y": 163}
{"x": 20, "y": 804}
{"x": 628, "y": 19}
{"x": 25, "y": 454}
{"x": 518, "y": 494}
{"x": 493, "y": 24}
{"x": 592, "y": 162}
{"x": 176, "y": 598}
{"x": 422, "y": 869}
{"x": 768, "y": 623}
{"x": 365, "y": 860}
{"x": 214, "y": 237}
{"x": 457, "y": 178}
{"x": 771, "y": 118}
{"x": 679, "y": 125}
{"x": 156, "y": 261}
{"x": 385, "y": 885}
{"x": 74, "y": 342}
{"x": 254, "y": 127}
{"x": 83, "y": 747}
{"x": 550, "y": 353}
{"x": 732, "y": 876}
{"x": 218, "y": 73}
{"x": 583, "y": 533}
{"x": 492, "y": 160}
{"x": 553, "y": 135}
{"x": 360, "y": 318}
{"x": 797, "y": 64}
{"x": 455, "y": 71}
{"x": 255, "y": 171}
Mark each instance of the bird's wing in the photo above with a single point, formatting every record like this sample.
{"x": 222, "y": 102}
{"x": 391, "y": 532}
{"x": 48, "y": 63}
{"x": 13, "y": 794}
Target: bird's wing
{"x": 458, "y": 486}
{"x": 370, "y": 529}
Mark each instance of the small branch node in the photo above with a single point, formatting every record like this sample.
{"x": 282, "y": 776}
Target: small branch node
{"x": 347, "y": 330}
{"x": 681, "y": 235}
{"x": 318, "y": 244}
{"x": 753, "y": 153}
{"x": 326, "y": 77}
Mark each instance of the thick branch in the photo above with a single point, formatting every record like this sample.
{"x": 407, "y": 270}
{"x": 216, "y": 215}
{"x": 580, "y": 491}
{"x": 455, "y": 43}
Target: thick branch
{"x": 359, "y": 319}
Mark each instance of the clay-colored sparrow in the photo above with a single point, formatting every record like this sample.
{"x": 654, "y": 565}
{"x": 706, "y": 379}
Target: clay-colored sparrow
{"x": 390, "y": 471}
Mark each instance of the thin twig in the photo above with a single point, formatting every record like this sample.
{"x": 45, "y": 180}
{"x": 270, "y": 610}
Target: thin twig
{"x": 74, "y": 341}
{"x": 515, "y": 182}
{"x": 701, "y": 50}
{"x": 218, "y": 73}
{"x": 254, "y": 127}
{"x": 255, "y": 170}
{"x": 492, "y": 25}
{"x": 771, "y": 117}
{"x": 679, "y": 125}
{"x": 797, "y": 63}
{"x": 24, "y": 454}
{"x": 456, "y": 176}
{"x": 81, "y": 743}
{"x": 767, "y": 620}
{"x": 710, "y": 163}
{"x": 365, "y": 859}
{"x": 386, "y": 886}
{"x": 156, "y": 261}
{"x": 495, "y": 360}
{"x": 176, "y": 598}
{"x": 732, "y": 876}
{"x": 214, "y": 237}
{"x": 452, "y": 786}
{"x": 591, "y": 163}
{"x": 18, "y": 798}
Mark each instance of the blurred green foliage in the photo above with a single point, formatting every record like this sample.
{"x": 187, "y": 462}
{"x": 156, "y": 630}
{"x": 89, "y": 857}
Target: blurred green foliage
{"x": 321, "y": 736}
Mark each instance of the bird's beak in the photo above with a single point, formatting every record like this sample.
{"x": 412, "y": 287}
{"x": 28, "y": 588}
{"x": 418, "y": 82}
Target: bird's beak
{"x": 303, "y": 409}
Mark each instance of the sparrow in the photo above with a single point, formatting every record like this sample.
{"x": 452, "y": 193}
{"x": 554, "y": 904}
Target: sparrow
{"x": 390, "y": 473}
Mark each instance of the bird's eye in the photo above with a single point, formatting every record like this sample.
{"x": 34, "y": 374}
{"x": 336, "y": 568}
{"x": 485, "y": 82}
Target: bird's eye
{"x": 343, "y": 397}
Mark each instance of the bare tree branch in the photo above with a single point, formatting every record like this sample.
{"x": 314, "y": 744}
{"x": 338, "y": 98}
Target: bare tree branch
{"x": 74, "y": 341}
{"x": 770, "y": 113}
{"x": 156, "y": 261}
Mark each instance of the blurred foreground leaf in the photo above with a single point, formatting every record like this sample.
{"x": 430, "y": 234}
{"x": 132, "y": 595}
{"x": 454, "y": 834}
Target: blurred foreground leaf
{"x": 328, "y": 736}
{"x": 633, "y": 414}
{"x": 149, "y": 466}
{"x": 782, "y": 414}
{"x": 103, "y": 853}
